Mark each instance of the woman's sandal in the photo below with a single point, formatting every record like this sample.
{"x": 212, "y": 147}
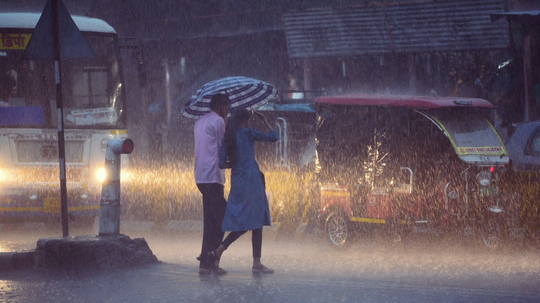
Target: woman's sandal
{"x": 261, "y": 269}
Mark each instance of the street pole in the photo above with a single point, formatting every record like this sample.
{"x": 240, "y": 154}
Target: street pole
{"x": 60, "y": 113}
{"x": 49, "y": 43}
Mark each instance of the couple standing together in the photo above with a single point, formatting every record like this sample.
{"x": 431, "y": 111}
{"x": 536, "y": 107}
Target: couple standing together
{"x": 218, "y": 147}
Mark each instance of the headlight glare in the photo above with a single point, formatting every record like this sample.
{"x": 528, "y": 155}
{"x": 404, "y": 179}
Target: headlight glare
{"x": 101, "y": 174}
{"x": 484, "y": 178}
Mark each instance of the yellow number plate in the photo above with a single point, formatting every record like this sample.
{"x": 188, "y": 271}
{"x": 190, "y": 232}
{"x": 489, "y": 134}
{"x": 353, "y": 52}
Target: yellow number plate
{"x": 52, "y": 206}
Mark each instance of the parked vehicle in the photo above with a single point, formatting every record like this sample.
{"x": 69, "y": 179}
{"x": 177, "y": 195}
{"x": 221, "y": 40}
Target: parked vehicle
{"x": 410, "y": 163}
{"x": 94, "y": 111}
{"x": 524, "y": 147}
{"x": 524, "y": 174}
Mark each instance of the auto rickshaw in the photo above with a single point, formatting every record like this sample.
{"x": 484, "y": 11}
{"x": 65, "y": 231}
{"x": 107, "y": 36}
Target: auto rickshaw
{"x": 410, "y": 163}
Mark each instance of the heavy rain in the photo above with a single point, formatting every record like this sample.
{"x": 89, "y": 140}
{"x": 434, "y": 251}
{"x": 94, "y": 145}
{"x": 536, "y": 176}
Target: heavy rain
{"x": 395, "y": 178}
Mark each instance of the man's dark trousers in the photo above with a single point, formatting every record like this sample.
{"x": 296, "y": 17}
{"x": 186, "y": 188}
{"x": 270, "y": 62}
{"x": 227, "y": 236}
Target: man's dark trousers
{"x": 214, "y": 206}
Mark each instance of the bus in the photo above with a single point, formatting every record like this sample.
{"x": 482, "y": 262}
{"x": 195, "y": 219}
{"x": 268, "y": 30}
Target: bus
{"x": 94, "y": 111}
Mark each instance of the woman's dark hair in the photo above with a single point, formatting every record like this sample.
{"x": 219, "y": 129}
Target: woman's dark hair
{"x": 238, "y": 117}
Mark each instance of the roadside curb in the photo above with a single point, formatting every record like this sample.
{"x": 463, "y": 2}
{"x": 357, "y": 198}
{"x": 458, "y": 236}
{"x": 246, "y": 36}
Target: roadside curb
{"x": 16, "y": 260}
{"x": 25, "y": 260}
{"x": 6, "y": 261}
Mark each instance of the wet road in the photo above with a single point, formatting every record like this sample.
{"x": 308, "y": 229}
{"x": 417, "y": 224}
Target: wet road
{"x": 375, "y": 269}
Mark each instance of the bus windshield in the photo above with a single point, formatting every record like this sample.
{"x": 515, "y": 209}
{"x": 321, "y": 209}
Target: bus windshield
{"x": 92, "y": 91}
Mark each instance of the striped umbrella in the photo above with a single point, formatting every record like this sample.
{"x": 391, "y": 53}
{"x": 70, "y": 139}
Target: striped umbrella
{"x": 243, "y": 92}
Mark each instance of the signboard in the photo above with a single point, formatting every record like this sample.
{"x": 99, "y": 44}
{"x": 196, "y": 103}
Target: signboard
{"x": 14, "y": 41}
{"x": 489, "y": 150}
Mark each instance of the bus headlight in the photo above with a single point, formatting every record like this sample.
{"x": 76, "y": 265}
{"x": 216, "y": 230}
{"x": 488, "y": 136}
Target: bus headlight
{"x": 484, "y": 178}
{"x": 101, "y": 174}
{"x": 6, "y": 176}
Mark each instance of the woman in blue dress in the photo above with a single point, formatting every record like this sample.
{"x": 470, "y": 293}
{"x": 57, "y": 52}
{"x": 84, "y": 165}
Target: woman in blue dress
{"x": 247, "y": 206}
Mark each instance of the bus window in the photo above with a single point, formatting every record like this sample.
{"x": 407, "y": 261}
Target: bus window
{"x": 92, "y": 90}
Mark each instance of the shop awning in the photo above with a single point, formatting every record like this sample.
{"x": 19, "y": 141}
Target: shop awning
{"x": 460, "y": 25}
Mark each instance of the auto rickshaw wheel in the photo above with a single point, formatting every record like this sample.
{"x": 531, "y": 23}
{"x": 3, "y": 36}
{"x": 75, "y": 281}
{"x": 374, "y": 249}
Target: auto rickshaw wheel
{"x": 337, "y": 229}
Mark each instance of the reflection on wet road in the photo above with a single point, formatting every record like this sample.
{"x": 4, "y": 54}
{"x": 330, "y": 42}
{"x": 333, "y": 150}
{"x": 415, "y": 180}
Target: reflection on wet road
{"x": 374, "y": 269}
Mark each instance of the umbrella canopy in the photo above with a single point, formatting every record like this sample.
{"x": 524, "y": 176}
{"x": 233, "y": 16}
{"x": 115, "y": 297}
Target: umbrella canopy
{"x": 243, "y": 92}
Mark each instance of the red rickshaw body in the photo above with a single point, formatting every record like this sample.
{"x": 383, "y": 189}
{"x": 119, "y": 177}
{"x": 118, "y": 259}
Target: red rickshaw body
{"x": 418, "y": 161}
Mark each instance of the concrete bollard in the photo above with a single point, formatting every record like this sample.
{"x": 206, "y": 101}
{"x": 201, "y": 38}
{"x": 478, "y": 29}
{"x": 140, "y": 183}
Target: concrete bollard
{"x": 109, "y": 209}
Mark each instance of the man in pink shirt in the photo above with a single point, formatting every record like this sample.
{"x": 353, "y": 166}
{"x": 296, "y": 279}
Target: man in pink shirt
{"x": 210, "y": 179}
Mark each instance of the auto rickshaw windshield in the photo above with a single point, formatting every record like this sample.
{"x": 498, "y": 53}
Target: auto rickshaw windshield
{"x": 471, "y": 133}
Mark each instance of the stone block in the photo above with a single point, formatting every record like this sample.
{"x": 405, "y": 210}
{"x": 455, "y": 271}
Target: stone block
{"x": 92, "y": 253}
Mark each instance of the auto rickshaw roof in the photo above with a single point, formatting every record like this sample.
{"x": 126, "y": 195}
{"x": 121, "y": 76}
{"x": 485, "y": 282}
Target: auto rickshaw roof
{"x": 403, "y": 101}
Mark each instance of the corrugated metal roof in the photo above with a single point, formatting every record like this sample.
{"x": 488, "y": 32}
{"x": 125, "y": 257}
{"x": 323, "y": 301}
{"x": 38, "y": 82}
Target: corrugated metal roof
{"x": 460, "y": 25}
{"x": 403, "y": 101}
